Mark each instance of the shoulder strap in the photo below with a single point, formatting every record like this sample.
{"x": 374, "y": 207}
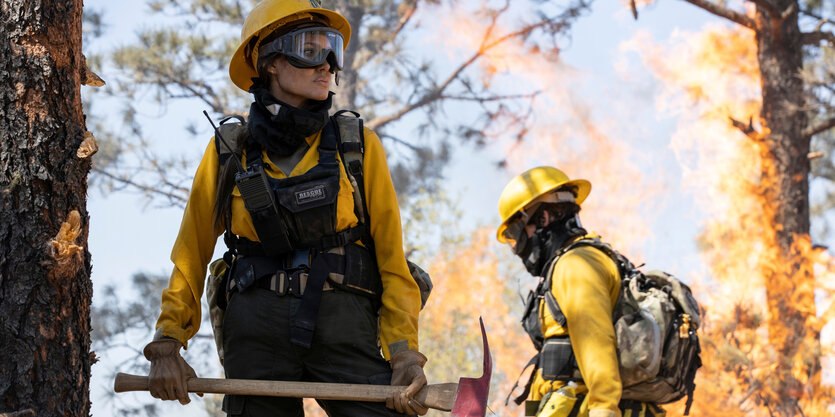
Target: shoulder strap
{"x": 623, "y": 265}
{"x": 550, "y": 300}
{"x": 351, "y": 140}
{"x": 351, "y": 145}
{"x": 232, "y": 133}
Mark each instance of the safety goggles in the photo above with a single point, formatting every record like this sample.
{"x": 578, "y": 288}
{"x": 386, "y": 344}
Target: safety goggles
{"x": 515, "y": 233}
{"x": 308, "y": 47}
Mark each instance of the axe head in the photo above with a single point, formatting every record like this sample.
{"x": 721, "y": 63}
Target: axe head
{"x": 471, "y": 398}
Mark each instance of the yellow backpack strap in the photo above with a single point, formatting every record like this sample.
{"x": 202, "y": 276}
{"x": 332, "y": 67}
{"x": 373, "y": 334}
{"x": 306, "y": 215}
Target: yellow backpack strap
{"x": 351, "y": 148}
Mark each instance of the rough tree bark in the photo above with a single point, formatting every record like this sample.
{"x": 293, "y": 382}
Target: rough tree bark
{"x": 784, "y": 143}
{"x": 790, "y": 283}
{"x": 45, "y": 287}
{"x": 348, "y": 78}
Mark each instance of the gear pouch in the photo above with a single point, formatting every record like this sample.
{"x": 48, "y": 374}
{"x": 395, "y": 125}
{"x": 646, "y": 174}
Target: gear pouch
{"x": 308, "y": 204}
{"x": 556, "y": 360}
{"x": 563, "y": 403}
{"x": 361, "y": 273}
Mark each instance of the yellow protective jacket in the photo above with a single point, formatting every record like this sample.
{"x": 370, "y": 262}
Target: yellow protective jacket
{"x": 586, "y": 284}
{"x": 193, "y": 249}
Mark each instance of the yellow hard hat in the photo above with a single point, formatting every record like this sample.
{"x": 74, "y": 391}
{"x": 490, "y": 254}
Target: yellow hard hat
{"x": 273, "y": 14}
{"x": 530, "y": 185}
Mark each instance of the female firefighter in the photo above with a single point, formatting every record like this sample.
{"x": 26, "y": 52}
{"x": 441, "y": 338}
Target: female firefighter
{"x": 315, "y": 246}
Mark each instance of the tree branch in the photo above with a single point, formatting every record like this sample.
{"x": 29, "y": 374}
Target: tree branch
{"x": 818, "y": 128}
{"x": 792, "y": 9}
{"x": 436, "y": 93}
{"x": 404, "y": 20}
{"x": 725, "y": 12}
{"x": 822, "y": 22}
{"x": 769, "y": 8}
{"x": 400, "y": 141}
{"x": 810, "y": 13}
{"x": 747, "y": 129}
{"x": 814, "y": 38}
{"x": 21, "y": 413}
{"x": 174, "y": 198}
{"x": 489, "y": 98}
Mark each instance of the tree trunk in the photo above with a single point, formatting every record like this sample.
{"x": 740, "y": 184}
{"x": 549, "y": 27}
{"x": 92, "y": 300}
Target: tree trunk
{"x": 346, "y": 92}
{"x": 789, "y": 278}
{"x": 45, "y": 287}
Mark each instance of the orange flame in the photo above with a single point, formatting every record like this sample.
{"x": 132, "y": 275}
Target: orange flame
{"x": 563, "y": 129}
{"x": 762, "y": 322}
{"x": 761, "y": 333}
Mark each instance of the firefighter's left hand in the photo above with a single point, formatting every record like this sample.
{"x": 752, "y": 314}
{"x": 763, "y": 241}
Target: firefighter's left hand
{"x": 407, "y": 369}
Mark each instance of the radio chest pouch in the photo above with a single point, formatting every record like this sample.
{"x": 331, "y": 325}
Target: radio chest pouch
{"x": 308, "y": 204}
{"x": 296, "y": 212}
{"x": 259, "y": 200}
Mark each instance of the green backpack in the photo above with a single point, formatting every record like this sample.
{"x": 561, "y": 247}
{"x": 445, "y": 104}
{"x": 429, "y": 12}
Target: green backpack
{"x": 655, "y": 318}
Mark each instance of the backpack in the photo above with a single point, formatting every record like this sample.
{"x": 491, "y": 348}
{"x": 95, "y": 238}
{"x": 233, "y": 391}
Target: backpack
{"x": 350, "y": 136}
{"x": 655, "y": 318}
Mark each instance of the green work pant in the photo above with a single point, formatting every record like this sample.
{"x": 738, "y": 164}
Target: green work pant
{"x": 256, "y": 341}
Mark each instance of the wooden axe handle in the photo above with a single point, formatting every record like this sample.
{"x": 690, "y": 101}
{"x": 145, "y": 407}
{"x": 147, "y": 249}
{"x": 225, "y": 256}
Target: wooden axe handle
{"x": 437, "y": 396}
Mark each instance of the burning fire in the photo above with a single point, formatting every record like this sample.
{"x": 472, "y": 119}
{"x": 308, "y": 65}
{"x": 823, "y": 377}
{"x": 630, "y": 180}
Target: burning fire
{"x": 763, "y": 340}
{"x": 564, "y": 129}
{"x": 762, "y": 322}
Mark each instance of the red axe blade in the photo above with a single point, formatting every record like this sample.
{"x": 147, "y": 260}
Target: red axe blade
{"x": 471, "y": 397}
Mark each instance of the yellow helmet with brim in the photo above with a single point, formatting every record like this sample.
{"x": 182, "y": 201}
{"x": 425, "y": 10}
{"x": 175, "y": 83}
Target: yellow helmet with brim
{"x": 530, "y": 185}
{"x": 268, "y": 16}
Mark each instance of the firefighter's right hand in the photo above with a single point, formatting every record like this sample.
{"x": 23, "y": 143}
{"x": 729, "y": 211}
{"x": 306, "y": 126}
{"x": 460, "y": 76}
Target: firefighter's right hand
{"x": 169, "y": 371}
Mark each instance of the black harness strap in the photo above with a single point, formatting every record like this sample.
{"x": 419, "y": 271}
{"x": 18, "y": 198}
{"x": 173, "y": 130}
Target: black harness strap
{"x": 524, "y": 395}
{"x": 355, "y": 169}
{"x": 552, "y": 304}
{"x": 577, "y": 404}
{"x": 304, "y": 323}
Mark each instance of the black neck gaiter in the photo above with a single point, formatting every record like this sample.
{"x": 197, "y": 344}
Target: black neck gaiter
{"x": 283, "y": 132}
{"x": 547, "y": 241}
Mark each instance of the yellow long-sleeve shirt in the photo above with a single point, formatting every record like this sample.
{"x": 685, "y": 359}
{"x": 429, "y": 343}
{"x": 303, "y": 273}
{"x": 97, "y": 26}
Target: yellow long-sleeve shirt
{"x": 193, "y": 249}
{"x": 586, "y": 284}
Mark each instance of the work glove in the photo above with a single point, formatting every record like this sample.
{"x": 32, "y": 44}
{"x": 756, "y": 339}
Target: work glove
{"x": 169, "y": 371}
{"x": 407, "y": 369}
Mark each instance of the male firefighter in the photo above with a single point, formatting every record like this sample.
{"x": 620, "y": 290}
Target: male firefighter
{"x": 569, "y": 316}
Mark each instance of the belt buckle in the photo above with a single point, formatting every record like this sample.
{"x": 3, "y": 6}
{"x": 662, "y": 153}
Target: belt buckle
{"x": 297, "y": 282}
{"x": 279, "y": 282}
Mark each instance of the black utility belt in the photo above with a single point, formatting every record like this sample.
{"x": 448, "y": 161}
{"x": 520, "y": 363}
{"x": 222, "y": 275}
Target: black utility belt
{"x": 284, "y": 283}
{"x": 352, "y": 268}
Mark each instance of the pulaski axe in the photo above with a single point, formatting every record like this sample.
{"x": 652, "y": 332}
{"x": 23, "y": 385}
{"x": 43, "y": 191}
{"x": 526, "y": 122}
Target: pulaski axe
{"x": 467, "y": 398}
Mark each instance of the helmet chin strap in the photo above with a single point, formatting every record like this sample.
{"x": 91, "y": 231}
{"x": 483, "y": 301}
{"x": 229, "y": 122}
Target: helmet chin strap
{"x": 547, "y": 241}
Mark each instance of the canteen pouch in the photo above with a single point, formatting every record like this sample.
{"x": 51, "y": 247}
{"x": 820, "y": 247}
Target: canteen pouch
{"x": 423, "y": 281}
{"x": 361, "y": 274}
{"x": 563, "y": 402}
{"x": 216, "y": 299}
{"x": 308, "y": 204}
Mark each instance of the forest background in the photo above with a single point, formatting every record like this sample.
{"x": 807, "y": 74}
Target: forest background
{"x": 639, "y": 107}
